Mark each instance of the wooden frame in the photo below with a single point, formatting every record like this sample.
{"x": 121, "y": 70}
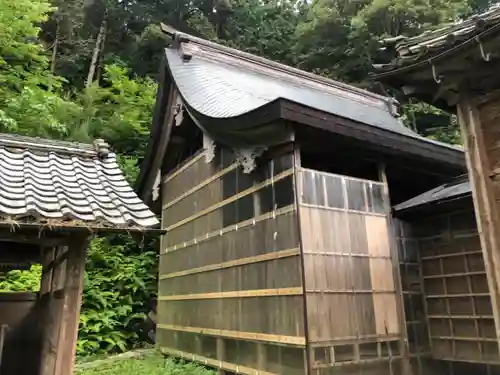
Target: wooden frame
{"x": 480, "y": 168}
{"x": 62, "y": 287}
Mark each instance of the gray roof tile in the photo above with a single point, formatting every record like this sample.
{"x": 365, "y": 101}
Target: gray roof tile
{"x": 457, "y": 188}
{"x": 433, "y": 42}
{"x": 44, "y": 180}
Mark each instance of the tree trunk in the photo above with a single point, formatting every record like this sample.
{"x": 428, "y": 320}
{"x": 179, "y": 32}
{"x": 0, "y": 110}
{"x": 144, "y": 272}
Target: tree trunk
{"x": 96, "y": 52}
{"x": 54, "y": 49}
{"x": 100, "y": 61}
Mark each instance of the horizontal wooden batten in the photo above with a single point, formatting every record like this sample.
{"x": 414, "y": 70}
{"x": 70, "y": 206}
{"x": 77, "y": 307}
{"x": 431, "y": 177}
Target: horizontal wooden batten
{"x": 329, "y": 174}
{"x": 457, "y": 338}
{"x": 354, "y": 255}
{"x": 449, "y": 275}
{"x": 472, "y": 317}
{"x": 431, "y": 296}
{"x": 360, "y": 339}
{"x": 231, "y": 228}
{"x": 253, "y": 336}
{"x": 200, "y": 186}
{"x": 326, "y": 208}
{"x": 236, "y": 294}
{"x": 232, "y": 199}
{"x": 235, "y": 263}
{"x": 442, "y": 256}
{"x": 215, "y": 363}
{"x": 357, "y": 362}
{"x": 183, "y": 167}
{"x": 328, "y": 291}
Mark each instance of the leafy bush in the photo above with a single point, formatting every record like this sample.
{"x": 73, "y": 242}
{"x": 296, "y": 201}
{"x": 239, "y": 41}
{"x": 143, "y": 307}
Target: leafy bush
{"x": 21, "y": 281}
{"x": 119, "y": 281}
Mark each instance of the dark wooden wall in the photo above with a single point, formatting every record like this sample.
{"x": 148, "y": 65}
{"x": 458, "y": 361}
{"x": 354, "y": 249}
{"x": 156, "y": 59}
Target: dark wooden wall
{"x": 458, "y": 304}
{"x": 413, "y": 297}
{"x": 351, "y": 293}
{"x": 21, "y": 353}
{"x": 230, "y": 289}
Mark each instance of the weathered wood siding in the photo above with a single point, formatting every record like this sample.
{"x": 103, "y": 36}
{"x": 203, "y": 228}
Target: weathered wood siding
{"x": 352, "y": 313}
{"x": 458, "y": 303}
{"x": 479, "y": 122}
{"x": 413, "y": 297}
{"x": 230, "y": 289}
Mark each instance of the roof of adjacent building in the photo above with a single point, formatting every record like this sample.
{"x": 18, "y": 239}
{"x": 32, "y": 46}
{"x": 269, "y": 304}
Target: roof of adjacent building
{"x": 67, "y": 184}
{"x": 455, "y": 189}
{"x": 434, "y": 44}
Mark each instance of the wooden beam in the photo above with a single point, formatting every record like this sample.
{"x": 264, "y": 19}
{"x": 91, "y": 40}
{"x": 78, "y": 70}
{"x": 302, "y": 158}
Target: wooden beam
{"x": 253, "y": 336}
{"x": 48, "y": 255}
{"x": 235, "y": 263}
{"x": 215, "y": 363}
{"x": 485, "y": 205}
{"x": 403, "y": 342}
{"x": 206, "y": 237}
{"x": 235, "y": 294}
{"x": 52, "y": 317}
{"x": 68, "y": 334}
{"x": 233, "y": 198}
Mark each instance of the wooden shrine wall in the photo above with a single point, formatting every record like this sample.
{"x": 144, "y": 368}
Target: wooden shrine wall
{"x": 413, "y": 297}
{"x": 457, "y": 298}
{"x": 352, "y": 302}
{"x": 230, "y": 289}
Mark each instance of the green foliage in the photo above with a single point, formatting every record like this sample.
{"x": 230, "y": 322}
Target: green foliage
{"x": 118, "y": 280}
{"x": 150, "y": 365}
{"x": 21, "y": 281}
{"x": 22, "y": 61}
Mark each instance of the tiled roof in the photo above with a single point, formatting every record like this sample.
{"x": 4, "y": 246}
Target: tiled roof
{"x": 43, "y": 181}
{"x": 434, "y": 42}
{"x": 455, "y": 189}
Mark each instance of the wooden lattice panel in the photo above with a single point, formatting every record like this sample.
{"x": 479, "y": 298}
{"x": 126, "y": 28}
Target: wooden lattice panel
{"x": 459, "y": 311}
{"x": 412, "y": 288}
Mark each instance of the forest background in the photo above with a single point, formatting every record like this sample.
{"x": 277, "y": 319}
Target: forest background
{"x": 85, "y": 69}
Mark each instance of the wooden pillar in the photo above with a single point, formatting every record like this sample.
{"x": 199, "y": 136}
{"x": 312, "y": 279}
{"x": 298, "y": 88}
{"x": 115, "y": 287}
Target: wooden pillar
{"x": 53, "y": 281}
{"x": 485, "y": 205}
{"x": 73, "y": 289}
{"x": 403, "y": 342}
{"x": 46, "y": 281}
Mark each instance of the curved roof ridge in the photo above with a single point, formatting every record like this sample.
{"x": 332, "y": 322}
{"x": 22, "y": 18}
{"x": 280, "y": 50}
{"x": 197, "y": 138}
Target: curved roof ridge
{"x": 99, "y": 146}
{"x": 183, "y": 37}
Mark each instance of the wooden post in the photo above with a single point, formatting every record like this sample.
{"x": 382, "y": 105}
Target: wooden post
{"x": 403, "y": 342}
{"x": 53, "y": 310}
{"x": 68, "y": 333}
{"x": 46, "y": 281}
{"x": 221, "y": 353}
{"x": 485, "y": 205}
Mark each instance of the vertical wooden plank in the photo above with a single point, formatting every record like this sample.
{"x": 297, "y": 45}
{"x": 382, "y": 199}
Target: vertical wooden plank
{"x": 45, "y": 296}
{"x": 485, "y": 206}
{"x": 47, "y": 259}
{"x": 68, "y": 334}
{"x": 382, "y": 171}
{"x": 221, "y": 353}
{"x": 298, "y": 191}
{"x": 261, "y": 357}
{"x": 54, "y": 311}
